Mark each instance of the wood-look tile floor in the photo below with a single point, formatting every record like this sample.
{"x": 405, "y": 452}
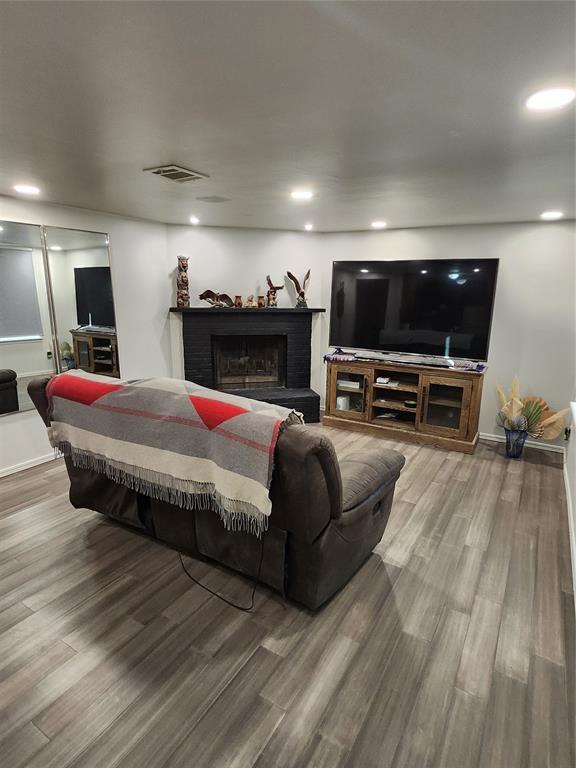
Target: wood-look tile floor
{"x": 453, "y": 646}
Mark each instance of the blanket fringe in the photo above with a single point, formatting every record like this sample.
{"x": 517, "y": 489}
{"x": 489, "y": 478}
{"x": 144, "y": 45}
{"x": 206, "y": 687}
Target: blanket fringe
{"x": 236, "y": 515}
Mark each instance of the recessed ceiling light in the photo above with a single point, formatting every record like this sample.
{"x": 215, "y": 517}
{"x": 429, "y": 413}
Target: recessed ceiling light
{"x": 194, "y": 220}
{"x": 476, "y": 269}
{"x": 378, "y": 225}
{"x": 454, "y": 275}
{"x": 55, "y": 247}
{"x": 551, "y": 98}
{"x": 308, "y": 227}
{"x": 302, "y": 194}
{"x": 423, "y": 271}
{"x": 551, "y": 215}
{"x": 26, "y": 189}
{"x": 365, "y": 271}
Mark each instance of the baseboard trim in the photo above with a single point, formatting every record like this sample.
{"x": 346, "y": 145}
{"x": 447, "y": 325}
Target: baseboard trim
{"x": 531, "y": 443}
{"x": 26, "y": 465}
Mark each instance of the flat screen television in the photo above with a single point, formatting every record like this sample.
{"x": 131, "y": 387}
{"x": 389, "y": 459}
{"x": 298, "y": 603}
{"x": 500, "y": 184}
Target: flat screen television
{"x": 436, "y": 307}
{"x": 94, "y": 300}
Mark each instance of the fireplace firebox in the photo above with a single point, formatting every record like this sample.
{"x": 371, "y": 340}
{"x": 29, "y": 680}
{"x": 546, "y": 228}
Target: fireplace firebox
{"x": 249, "y": 362}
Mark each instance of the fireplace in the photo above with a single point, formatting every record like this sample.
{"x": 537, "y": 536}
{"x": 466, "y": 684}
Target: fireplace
{"x": 264, "y": 354}
{"x": 249, "y": 362}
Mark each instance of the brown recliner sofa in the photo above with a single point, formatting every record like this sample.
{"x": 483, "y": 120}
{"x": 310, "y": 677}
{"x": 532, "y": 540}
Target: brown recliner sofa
{"x": 326, "y": 518}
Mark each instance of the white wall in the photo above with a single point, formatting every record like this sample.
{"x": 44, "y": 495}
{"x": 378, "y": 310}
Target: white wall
{"x": 140, "y": 280}
{"x": 570, "y": 477}
{"x": 142, "y": 293}
{"x": 533, "y": 332}
{"x": 236, "y": 261}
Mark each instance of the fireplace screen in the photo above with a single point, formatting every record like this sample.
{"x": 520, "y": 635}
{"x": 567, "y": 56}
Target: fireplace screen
{"x": 249, "y": 362}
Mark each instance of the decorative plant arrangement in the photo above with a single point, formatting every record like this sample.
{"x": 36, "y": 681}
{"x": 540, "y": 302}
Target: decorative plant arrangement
{"x": 526, "y": 416}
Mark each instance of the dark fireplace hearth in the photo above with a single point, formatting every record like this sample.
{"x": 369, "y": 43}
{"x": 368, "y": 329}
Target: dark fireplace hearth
{"x": 260, "y": 353}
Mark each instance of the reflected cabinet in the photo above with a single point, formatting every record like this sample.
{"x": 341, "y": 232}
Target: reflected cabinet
{"x": 407, "y": 402}
{"x": 54, "y": 284}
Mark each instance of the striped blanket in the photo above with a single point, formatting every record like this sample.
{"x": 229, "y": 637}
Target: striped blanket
{"x": 172, "y": 440}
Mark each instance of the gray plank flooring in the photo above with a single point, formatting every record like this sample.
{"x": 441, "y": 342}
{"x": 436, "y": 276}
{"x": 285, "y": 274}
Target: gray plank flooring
{"x": 452, "y": 647}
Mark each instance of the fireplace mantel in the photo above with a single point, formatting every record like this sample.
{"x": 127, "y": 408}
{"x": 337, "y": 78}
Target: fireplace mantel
{"x": 247, "y": 310}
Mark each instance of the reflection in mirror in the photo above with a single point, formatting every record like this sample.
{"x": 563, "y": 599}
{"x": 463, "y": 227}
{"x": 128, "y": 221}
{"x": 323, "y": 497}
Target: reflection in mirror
{"x": 83, "y": 301}
{"x": 25, "y": 331}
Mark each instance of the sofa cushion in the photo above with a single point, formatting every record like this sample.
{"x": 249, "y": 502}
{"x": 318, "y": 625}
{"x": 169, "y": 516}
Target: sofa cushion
{"x": 7, "y": 375}
{"x": 364, "y": 472}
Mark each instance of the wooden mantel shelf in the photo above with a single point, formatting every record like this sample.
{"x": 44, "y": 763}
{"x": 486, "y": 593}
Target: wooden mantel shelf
{"x": 261, "y": 310}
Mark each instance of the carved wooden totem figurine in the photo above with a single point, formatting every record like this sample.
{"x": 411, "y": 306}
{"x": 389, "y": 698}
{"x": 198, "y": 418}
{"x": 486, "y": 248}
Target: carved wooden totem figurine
{"x": 182, "y": 292}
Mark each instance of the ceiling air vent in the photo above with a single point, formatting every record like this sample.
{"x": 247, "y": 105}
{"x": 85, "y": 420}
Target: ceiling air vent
{"x": 214, "y": 199}
{"x": 177, "y": 173}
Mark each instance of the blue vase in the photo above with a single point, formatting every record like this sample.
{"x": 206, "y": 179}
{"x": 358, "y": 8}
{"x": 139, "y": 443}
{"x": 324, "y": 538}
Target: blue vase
{"x": 515, "y": 439}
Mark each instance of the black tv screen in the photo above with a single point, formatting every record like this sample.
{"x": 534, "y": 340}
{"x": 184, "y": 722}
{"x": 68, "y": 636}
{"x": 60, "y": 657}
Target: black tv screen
{"x": 437, "y": 307}
{"x": 94, "y": 300}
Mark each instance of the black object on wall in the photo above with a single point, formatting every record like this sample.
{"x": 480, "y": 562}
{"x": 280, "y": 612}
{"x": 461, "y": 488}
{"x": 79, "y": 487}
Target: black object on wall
{"x": 94, "y": 299}
{"x": 437, "y": 307}
{"x": 201, "y": 326}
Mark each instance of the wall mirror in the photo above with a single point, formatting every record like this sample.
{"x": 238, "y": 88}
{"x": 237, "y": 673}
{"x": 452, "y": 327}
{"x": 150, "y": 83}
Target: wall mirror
{"x": 56, "y": 307}
{"x": 26, "y": 343}
{"x": 79, "y": 266}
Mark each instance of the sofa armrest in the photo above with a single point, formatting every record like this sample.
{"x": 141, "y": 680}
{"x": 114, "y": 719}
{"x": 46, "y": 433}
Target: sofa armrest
{"x": 306, "y": 488}
{"x": 367, "y": 472}
{"x": 37, "y": 393}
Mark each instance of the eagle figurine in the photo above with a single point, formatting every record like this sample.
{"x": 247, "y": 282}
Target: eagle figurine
{"x": 301, "y": 302}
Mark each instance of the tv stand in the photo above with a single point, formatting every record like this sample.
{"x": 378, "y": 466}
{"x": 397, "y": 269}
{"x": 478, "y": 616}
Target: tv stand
{"x": 418, "y": 403}
{"x": 96, "y": 351}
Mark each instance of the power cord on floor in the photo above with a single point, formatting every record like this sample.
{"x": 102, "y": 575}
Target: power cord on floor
{"x": 248, "y": 609}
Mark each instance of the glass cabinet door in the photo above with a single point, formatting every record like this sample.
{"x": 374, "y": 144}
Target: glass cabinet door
{"x": 445, "y": 403}
{"x": 349, "y": 393}
{"x": 83, "y": 354}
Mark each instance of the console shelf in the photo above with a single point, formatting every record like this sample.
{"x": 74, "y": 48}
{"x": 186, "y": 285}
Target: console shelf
{"x": 447, "y": 402}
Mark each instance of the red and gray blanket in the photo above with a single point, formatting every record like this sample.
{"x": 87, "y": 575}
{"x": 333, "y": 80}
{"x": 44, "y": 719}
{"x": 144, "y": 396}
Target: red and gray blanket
{"x": 172, "y": 440}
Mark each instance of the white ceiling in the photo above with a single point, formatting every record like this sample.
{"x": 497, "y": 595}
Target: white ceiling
{"x": 410, "y": 112}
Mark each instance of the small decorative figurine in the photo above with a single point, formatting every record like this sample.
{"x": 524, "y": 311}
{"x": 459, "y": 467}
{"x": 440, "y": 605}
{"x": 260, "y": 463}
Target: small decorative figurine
{"x": 182, "y": 294}
{"x": 261, "y": 302}
{"x": 250, "y": 302}
{"x": 271, "y": 296}
{"x": 216, "y": 299}
{"x": 238, "y": 301}
{"x": 301, "y": 302}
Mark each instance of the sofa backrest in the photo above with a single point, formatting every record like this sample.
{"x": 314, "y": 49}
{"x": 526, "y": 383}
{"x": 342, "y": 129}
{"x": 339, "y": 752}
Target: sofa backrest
{"x": 306, "y": 489}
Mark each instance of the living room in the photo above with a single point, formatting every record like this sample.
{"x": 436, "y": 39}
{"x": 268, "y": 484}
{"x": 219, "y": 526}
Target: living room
{"x": 372, "y": 139}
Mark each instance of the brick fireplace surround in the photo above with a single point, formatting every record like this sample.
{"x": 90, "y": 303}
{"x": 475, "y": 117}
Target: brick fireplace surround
{"x": 202, "y": 325}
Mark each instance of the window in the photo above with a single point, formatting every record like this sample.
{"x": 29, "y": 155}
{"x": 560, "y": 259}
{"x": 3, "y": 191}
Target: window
{"x": 19, "y": 309}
